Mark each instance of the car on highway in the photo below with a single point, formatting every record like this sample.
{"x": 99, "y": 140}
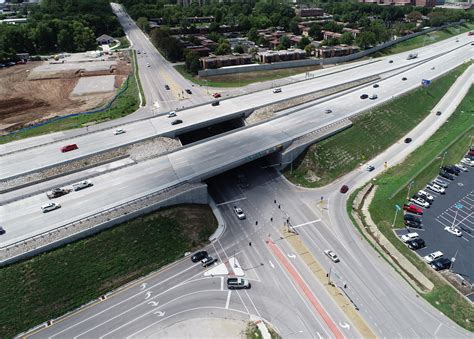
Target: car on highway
{"x": 2, "y": 230}
{"x": 188, "y": 91}
{"x": 57, "y": 192}
{"x": 171, "y": 114}
{"x": 239, "y": 212}
{"x": 441, "y": 264}
{"x": 216, "y": 95}
{"x": 331, "y": 255}
{"x": 440, "y": 182}
{"x": 373, "y": 96}
{"x": 425, "y": 196}
{"x": 436, "y": 188}
{"x": 138, "y": 52}
{"x": 215, "y": 103}
{"x": 51, "y": 206}
{"x": 370, "y": 168}
{"x": 376, "y": 86}
{"x": 412, "y": 208}
{"x": 390, "y": 61}
{"x": 328, "y": 111}
{"x": 237, "y": 283}
{"x": 277, "y": 90}
{"x": 453, "y": 231}
{"x": 420, "y": 202}
{"x": 407, "y": 140}
{"x": 167, "y": 87}
{"x": 68, "y": 148}
{"x": 198, "y": 256}
{"x": 409, "y": 236}
{"x": 176, "y": 122}
{"x": 364, "y": 96}
{"x": 147, "y": 64}
{"x": 119, "y": 131}
{"x": 462, "y": 167}
{"x": 208, "y": 261}
{"x": 438, "y": 113}
{"x": 404, "y": 78}
{"x": 416, "y": 244}
{"x": 344, "y": 189}
{"x": 432, "y": 256}
{"x": 446, "y": 175}
{"x": 82, "y": 184}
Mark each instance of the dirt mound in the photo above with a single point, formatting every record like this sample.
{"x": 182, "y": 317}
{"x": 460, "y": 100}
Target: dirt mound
{"x": 13, "y": 105}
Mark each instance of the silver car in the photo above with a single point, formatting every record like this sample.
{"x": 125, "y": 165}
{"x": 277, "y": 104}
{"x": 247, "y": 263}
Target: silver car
{"x": 50, "y": 207}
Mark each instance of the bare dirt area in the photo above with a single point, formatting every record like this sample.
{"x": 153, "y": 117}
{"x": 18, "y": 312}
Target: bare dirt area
{"x": 26, "y": 100}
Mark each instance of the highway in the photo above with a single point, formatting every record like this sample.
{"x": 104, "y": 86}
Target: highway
{"x": 31, "y": 159}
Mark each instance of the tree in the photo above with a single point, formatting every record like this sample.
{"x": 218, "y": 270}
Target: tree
{"x": 310, "y": 49}
{"x": 285, "y": 42}
{"x": 223, "y": 49}
{"x": 414, "y": 16}
{"x": 366, "y": 39}
{"x": 192, "y": 62}
{"x": 303, "y": 42}
{"x": 315, "y": 31}
{"x": 252, "y": 34}
{"x": 346, "y": 38}
{"x": 143, "y": 24}
{"x": 294, "y": 27}
{"x": 239, "y": 49}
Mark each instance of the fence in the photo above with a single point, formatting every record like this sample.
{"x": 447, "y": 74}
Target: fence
{"x": 313, "y": 62}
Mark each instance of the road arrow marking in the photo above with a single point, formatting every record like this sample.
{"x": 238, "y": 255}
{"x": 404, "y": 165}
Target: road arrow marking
{"x": 148, "y": 295}
{"x": 159, "y": 313}
{"x": 153, "y": 303}
{"x": 345, "y": 325}
{"x": 292, "y": 256}
{"x": 271, "y": 264}
{"x": 142, "y": 286}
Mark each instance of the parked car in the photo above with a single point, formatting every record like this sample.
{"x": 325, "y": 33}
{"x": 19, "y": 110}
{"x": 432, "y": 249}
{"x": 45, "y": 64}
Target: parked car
{"x": 188, "y": 91}
{"x": 344, "y": 189}
{"x": 451, "y": 170}
{"x": 420, "y": 202}
{"x": 82, "y": 184}
{"x": 441, "y": 264}
{"x": 277, "y": 90}
{"x": 412, "y": 217}
{"x": 216, "y": 95}
{"x": 409, "y": 236}
{"x": 176, "y": 122}
{"x": 440, "y": 182}
{"x": 412, "y": 224}
{"x": 433, "y": 256}
{"x": 446, "y": 175}
{"x": 198, "y": 256}
{"x": 239, "y": 212}
{"x": 453, "y": 231}
{"x": 68, "y": 148}
{"x": 412, "y": 208}
{"x": 462, "y": 167}
{"x": 468, "y": 162}
{"x": 119, "y": 131}
{"x": 425, "y": 196}
{"x": 237, "y": 283}
{"x": 416, "y": 244}
{"x": 333, "y": 256}
{"x": 436, "y": 188}
{"x": 51, "y": 206}
{"x": 171, "y": 114}
{"x": 208, "y": 261}
{"x": 215, "y": 103}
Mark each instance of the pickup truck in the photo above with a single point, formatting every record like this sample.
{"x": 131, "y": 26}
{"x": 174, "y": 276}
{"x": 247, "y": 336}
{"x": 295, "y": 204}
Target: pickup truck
{"x": 57, "y": 192}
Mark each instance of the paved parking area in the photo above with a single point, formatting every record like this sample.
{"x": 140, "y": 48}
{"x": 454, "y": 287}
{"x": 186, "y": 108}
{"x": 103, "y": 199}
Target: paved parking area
{"x": 453, "y": 208}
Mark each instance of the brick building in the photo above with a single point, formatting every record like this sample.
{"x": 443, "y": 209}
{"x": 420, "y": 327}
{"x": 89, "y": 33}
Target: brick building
{"x": 225, "y": 60}
{"x": 283, "y": 55}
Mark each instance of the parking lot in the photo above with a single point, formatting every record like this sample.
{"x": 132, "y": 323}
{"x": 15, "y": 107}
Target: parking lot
{"x": 453, "y": 209}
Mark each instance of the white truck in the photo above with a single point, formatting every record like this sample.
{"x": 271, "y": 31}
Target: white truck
{"x": 81, "y": 185}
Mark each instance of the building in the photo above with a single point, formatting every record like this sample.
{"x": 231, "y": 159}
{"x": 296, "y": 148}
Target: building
{"x": 224, "y": 60}
{"x": 199, "y": 49}
{"x": 244, "y": 42}
{"x": 331, "y": 35}
{"x": 267, "y": 57}
{"x": 353, "y": 31}
{"x": 309, "y": 12}
{"x": 200, "y": 19}
{"x": 418, "y": 3}
{"x": 335, "y": 51}
{"x": 15, "y": 21}
{"x": 104, "y": 39}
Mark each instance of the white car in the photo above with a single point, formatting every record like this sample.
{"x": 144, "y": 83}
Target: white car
{"x": 420, "y": 202}
{"x": 461, "y": 167}
{"x": 240, "y": 214}
{"x": 467, "y": 162}
{"x": 433, "y": 256}
{"x": 440, "y": 182}
{"x": 50, "y": 207}
{"x": 426, "y": 196}
{"x": 408, "y": 237}
{"x": 277, "y": 90}
{"x": 171, "y": 114}
{"x": 370, "y": 168}
{"x": 436, "y": 188}
{"x": 147, "y": 64}
{"x": 119, "y": 131}
{"x": 373, "y": 96}
{"x": 453, "y": 230}
{"x": 333, "y": 256}
{"x": 81, "y": 185}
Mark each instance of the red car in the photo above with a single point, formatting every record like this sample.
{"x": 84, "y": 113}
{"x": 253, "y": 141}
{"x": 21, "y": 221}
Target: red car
{"x": 344, "y": 189}
{"x": 68, "y": 148}
{"x": 412, "y": 208}
{"x": 216, "y": 95}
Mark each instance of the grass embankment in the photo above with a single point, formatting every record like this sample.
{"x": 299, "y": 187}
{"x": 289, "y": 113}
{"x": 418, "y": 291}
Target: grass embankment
{"x": 56, "y": 282}
{"x": 421, "y": 166}
{"x": 137, "y": 74}
{"x": 125, "y": 104}
{"x": 371, "y": 133}
{"x": 425, "y": 39}
{"x": 243, "y": 79}
{"x": 124, "y": 43}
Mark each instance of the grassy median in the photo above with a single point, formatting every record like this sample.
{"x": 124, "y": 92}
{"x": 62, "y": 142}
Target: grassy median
{"x": 421, "y": 166}
{"x": 371, "y": 134}
{"x": 59, "y": 281}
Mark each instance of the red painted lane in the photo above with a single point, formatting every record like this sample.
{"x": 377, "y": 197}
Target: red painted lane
{"x": 299, "y": 281}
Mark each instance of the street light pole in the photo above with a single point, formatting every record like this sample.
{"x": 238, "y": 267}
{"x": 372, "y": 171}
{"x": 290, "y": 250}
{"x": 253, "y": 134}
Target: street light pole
{"x": 442, "y": 161}
{"x": 409, "y": 188}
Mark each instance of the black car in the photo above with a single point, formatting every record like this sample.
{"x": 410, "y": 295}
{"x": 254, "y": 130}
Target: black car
{"x": 446, "y": 175}
{"x": 176, "y": 122}
{"x": 438, "y": 113}
{"x": 188, "y": 91}
{"x": 2, "y": 230}
{"x": 215, "y": 103}
{"x": 390, "y": 61}
{"x": 167, "y": 87}
{"x": 375, "y": 86}
{"x": 199, "y": 256}
{"x": 404, "y": 78}
{"x": 412, "y": 217}
{"x": 364, "y": 96}
{"x": 441, "y": 264}
{"x": 452, "y": 169}
{"x": 416, "y": 244}
{"x": 407, "y": 140}
{"x": 412, "y": 224}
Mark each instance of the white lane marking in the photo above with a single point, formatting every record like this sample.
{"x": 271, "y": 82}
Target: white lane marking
{"x": 222, "y": 283}
{"x": 160, "y": 313}
{"x": 307, "y": 223}
{"x": 271, "y": 264}
{"x": 148, "y": 295}
{"x": 142, "y": 286}
{"x": 153, "y": 303}
{"x": 230, "y": 202}
{"x": 228, "y": 300}
{"x": 437, "y": 329}
{"x": 253, "y": 304}
{"x": 292, "y": 256}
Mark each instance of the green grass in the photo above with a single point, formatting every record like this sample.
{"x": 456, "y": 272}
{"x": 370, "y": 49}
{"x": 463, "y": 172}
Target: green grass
{"x": 124, "y": 43}
{"x": 371, "y": 133}
{"x": 51, "y": 284}
{"x": 137, "y": 73}
{"x": 242, "y": 79}
{"x": 127, "y": 103}
{"x": 421, "y": 166}
{"x": 425, "y": 39}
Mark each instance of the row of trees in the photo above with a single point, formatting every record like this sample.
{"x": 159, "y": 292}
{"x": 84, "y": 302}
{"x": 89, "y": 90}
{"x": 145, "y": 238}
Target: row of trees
{"x": 59, "y": 25}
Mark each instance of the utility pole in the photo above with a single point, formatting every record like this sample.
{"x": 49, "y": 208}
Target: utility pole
{"x": 409, "y": 188}
{"x": 442, "y": 160}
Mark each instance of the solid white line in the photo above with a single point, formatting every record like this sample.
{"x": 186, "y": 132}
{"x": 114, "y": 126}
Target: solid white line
{"x": 437, "y": 329}
{"x": 228, "y": 300}
{"x": 230, "y": 202}
{"x": 307, "y": 223}
{"x": 222, "y": 283}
